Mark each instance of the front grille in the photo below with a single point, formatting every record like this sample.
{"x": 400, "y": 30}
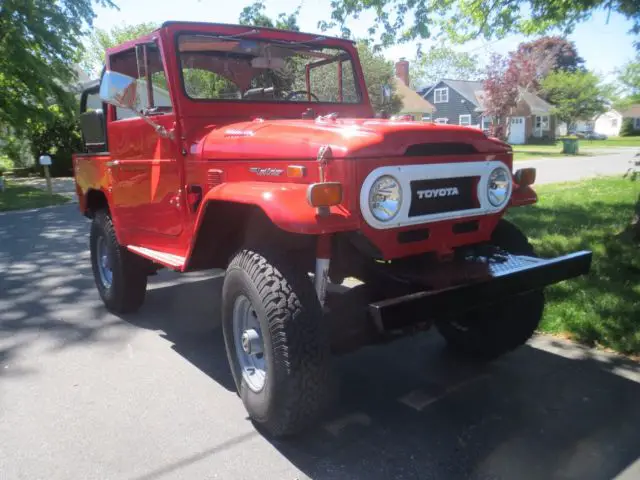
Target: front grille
{"x": 443, "y": 195}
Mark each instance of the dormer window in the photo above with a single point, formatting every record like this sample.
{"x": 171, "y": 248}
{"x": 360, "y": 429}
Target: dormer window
{"x": 441, "y": 95}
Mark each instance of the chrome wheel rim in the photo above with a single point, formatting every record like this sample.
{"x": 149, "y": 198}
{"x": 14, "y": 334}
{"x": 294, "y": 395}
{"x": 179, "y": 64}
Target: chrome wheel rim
{"x": 104, "y": 263}
{"x": 249, "y": 343}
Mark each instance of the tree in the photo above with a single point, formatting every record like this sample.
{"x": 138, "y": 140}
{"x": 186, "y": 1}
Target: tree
{"x": 462, "y": 20}
{"x": 500, "y": 93}
{"x": 39, "y": 41}
{"x": 629, "y": 77}
{"x": 58, "y": 137}
{"x": 441, "y": 61}
{"x": 100, "y": 40}
{"x": 552, "y": 53}
{"x": 254, "y": 15}
{"x": 575, "y": 95}
{"x": 378, "y": 73}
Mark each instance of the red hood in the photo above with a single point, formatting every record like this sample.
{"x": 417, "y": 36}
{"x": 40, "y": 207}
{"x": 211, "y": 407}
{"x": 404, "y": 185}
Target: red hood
{"x": 350, "y": 138}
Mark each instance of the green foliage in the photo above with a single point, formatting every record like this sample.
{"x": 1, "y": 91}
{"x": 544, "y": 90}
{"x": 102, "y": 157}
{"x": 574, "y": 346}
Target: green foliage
{"x": 100, "y": 40}
{"x": 462, "y": 20}
{"x": 254, "y": 15}
{"x": 600, "y": 308}
{"x": 15, "y": 149}
{"x": 629, "y": 77}
{"x": 378, "y": 72}
{"x": 441, "y": 61}
{"x": 21, "y": 197}
{"x": 5, "y": 163}
{"x": 627, "y": 129}
{"x": 575, "y": 95}
{"x": 59, "y": 137}
{"x": 39, "y": 41}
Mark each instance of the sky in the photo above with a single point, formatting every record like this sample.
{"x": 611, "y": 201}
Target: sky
{"x": 605, "y": 46}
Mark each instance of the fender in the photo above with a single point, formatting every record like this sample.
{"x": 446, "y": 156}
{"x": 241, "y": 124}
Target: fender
{"x": 522, "y": 196}
{"x": 285, "y": 204}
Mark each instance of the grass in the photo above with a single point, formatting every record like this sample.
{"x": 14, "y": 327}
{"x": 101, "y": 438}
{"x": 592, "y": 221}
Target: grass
{"x": 602, "y": 308}
{"x": 18, "y": 197}
{"x": 613, "y": 142}
{"x": 531, "y": 152}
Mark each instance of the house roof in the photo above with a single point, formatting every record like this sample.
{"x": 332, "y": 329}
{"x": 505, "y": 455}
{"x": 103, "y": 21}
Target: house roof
{"x": 411, "y": 101}
{"x": 632, "y": 112}
{"x": 473, "y": 91}
{"x": 536, "y": 104}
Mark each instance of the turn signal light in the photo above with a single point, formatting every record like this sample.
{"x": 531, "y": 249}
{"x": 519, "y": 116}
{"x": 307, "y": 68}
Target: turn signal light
{"x": 296, "y": 171}
{"x": 525, "y": 177}
{"x": 324, "y": 194}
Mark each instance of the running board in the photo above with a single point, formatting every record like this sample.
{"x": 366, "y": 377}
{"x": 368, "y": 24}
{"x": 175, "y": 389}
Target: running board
{"x": 167, "y": 259}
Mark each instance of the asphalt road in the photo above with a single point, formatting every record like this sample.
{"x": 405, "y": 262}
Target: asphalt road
{"x": 88, "y": 395}
{"x": 569, "y": 169}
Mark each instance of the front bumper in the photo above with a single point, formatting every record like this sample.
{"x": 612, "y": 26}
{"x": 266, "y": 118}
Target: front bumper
{"x": 477, "y": 282}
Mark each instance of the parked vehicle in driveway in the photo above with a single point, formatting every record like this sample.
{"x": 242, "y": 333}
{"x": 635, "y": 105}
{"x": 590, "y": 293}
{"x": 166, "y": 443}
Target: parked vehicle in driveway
{"x": 256, "y": 150}
{"x": 595, "y": 136}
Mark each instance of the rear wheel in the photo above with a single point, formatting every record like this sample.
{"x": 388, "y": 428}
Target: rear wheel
{"x": 120, "y": 276}
{"x": 494, "y": 330}
{"x": 276, "y": 343}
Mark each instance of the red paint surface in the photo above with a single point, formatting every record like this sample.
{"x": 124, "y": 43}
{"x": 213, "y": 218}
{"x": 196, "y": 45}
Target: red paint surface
{"x": 147, "y": 188}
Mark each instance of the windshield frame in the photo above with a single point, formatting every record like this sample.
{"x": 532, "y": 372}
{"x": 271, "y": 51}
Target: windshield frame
{"x": 320, "y": 43}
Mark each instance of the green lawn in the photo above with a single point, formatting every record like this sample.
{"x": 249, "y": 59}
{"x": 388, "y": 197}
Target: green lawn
{"x": 20, "y": 197}
{"x": 602, "y": 308}
{"x": 530, "y": 152}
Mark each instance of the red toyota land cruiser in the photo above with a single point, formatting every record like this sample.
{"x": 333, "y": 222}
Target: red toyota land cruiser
{"x": 257, "y": 151}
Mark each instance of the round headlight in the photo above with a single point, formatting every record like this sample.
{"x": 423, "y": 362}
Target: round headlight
{"x": 385, "y": 198}
{"x": 499, "y": 186}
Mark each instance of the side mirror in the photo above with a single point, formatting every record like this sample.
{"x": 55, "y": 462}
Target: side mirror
{"x": 119, "y": 90}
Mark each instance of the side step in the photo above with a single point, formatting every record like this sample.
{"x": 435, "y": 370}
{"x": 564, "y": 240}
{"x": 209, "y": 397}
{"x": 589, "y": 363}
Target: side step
{"x": 174, "y": 262}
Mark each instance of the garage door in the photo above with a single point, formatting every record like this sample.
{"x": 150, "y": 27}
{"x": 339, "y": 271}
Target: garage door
{"x": 516, "y": 131}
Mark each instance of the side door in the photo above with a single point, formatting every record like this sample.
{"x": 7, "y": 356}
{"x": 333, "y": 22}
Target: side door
{"x": 146, "y": 167}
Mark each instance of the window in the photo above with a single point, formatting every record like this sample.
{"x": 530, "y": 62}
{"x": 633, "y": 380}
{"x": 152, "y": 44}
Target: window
{"x": 614, "y": 122}
{"x": 465, "y": 120}
{"x": 636, "y": 123}
{"x": 542, "y": 122}
{"x": 486, "y": 123}
{"x": 217, "y": 68}
{"x": 441, "y": 95}
{"x": 444, "y": 120}
{"x": 152, "y": 101}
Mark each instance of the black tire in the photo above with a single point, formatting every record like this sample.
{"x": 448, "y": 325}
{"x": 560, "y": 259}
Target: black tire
{"x": 492, "y": 331}
{"x": 129, "y": 271}
{"x": 296, "y": 388}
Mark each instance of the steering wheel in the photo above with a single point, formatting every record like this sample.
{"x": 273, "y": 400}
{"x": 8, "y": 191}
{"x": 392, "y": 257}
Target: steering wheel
{"x": 290, "y": 95}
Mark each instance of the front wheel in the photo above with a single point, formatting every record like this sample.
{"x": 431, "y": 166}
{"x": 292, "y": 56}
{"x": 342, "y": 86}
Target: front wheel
{"x": 276, "y": 343}
{"x": 491, "y": 331}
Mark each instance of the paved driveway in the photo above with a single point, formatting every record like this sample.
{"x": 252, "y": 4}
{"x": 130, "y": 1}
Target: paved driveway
{"x": 88, "y": 395}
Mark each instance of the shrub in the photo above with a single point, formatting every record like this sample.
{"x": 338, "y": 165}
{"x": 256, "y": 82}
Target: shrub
{"x": 627, "y": 128}
{"x": 59, "y": 137}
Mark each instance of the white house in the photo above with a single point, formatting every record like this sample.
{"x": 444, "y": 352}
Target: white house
{"x": 608, "y": 123}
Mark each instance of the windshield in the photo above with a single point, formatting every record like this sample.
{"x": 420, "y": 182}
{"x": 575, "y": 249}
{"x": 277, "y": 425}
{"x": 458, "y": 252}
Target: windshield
{"x": 226, "y": 68}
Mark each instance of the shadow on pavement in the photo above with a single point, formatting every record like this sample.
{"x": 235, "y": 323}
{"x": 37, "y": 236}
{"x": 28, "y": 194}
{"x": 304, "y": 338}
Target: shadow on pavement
{"x": 410, "y": 410}
{"x": 407, "y": 410}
